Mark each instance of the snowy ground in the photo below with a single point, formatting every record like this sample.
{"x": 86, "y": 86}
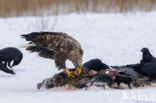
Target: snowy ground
{"x": 116, "y": 39}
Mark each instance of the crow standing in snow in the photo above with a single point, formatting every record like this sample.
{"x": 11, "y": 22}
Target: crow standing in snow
{"x": 147, "y": 65}
{"x": 147, "y": 56}
{"x": 10, "y": 54}
{"x": 9, "y": 57}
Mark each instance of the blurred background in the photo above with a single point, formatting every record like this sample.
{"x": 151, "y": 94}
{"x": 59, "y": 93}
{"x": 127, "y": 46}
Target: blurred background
{"x": 15, "y": 8}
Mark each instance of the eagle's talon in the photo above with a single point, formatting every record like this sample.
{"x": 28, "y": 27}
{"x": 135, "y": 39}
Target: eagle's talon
{"x": 69, "y": 74}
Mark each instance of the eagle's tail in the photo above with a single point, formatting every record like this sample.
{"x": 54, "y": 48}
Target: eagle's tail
{"x": 24, "y": 36}
{"x": 38, "y": 36}
{"x": 33, "y": 35}
{"x": 28, "y": 37}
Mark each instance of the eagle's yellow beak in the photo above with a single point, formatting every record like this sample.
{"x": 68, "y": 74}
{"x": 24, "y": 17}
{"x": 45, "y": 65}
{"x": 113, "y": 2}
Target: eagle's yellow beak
{"x": 78, "y": 70}
{"x": 69, "y": 74}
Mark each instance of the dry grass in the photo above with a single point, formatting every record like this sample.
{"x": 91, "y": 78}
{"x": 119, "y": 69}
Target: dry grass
{"x": 54, "y": 7}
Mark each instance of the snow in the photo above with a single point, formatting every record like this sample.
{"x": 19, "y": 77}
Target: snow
{"x": 114, "y": 38}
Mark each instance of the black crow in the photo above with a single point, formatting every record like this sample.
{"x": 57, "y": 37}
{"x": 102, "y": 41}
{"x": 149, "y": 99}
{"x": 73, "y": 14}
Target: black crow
{"x": 147, "y": 57}
{"x": 94, "y": 64}
{"x": 125, "y": 75}
{"x": 10, "y": 54}
{"x": 125, "y": 80}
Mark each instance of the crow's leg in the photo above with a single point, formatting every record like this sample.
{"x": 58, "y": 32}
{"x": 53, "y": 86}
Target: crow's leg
{"x": 129, "y": 85}
{"x": 110, "y": 82}
{"x": 150, "y": 79}
{"x": 118, "y": 84}
{"x": 119, "y": 87}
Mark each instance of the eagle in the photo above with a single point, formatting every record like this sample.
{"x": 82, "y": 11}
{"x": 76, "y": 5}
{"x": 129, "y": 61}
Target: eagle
{"x": 57, "y": 46}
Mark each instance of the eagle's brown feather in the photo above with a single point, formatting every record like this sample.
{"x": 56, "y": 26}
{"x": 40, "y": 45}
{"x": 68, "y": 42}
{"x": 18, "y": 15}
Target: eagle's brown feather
{"x": 56, "y": 45}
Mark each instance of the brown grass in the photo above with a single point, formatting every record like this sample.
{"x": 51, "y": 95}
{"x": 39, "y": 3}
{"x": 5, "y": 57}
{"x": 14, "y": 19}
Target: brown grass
{"x": 54, "y": 7}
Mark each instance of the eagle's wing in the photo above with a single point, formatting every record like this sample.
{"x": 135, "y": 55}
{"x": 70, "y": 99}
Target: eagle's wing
{"x": 42, "y": 42}
{"x": 50, "y": 43}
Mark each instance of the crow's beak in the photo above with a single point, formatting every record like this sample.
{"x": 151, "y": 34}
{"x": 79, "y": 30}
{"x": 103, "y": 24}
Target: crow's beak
{"x": 39, "y": 85}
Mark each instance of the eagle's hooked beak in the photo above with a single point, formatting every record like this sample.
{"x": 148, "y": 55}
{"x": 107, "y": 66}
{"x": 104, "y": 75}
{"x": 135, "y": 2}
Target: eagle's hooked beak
{"x": 78, "y": 70}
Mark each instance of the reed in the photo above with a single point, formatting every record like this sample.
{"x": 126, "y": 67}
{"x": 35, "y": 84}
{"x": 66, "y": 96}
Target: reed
{"x": 9, "y": 8}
